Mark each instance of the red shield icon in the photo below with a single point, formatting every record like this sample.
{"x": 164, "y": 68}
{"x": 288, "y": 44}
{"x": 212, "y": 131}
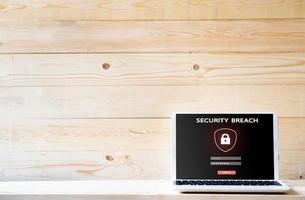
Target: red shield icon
{"x": 225, "y": 139}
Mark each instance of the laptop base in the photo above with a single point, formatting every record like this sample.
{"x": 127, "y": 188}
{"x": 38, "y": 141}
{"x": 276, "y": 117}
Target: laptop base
{"x": 233, "y": 188}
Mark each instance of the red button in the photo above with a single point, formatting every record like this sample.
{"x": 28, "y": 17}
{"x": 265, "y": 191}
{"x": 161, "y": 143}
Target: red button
{"x": 226, "y": 172}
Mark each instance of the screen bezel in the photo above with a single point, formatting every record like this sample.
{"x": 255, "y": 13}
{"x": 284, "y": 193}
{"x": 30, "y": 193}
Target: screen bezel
{"x": 275, "y": 141}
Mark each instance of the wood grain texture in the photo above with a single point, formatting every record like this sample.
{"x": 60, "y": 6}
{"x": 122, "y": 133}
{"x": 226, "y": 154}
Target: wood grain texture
{"x": 149, "y": 9}
{"x": 77, "y": 149}
{"x": 149, "y": 101}
{"x": 90, "y": 134}
{"x": 152, "y": 69}
{"x": 87, "y": 165}
{"x": 152, "y": 36}
{"x": 292, "y": 164}
{"x": 107, "y": 164}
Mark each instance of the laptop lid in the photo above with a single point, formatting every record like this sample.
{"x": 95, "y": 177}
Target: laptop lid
{"x": 225, "y": 146}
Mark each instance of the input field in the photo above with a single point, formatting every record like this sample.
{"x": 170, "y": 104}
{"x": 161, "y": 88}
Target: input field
{"x": 225, "y": 158}
{"x": 226, "y": 163}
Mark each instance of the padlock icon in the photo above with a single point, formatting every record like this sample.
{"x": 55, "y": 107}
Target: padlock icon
{"x": 225, "y": 139}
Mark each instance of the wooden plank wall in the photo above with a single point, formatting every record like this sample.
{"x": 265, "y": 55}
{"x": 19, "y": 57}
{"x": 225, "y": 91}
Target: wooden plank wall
{"x": 87, "y": 87}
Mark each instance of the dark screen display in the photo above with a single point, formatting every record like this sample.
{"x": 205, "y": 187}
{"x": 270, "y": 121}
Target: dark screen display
{"x": 224, "y": 146}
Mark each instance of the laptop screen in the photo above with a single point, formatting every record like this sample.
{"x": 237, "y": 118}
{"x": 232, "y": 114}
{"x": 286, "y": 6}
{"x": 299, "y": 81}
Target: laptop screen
{"x": 224, "y": 146}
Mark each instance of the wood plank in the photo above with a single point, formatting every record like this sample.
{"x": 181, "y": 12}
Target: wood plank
{"x": 149, "y": 9}
{"x": 292, "y": 164}
{"x": 93, "y": 165}
{"x": 152, "y": 36}
{"x": 152, "y": 69}
{"x": 49, "y": 135}
{"x": 149, "y": 101}
{"x": 291, "y": 134}
{"x": 75, "y": 165}
{"x": 89, "y": 134}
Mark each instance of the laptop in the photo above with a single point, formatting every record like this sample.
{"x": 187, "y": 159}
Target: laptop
{"x": 226, "y": 152}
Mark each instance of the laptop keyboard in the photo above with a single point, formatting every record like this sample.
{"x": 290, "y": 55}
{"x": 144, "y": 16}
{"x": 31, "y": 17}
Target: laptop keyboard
{"x": 230, "y": 182}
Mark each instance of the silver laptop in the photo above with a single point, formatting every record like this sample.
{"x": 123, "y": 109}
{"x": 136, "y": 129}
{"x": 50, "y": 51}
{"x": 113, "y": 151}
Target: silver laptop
{"x": 226, "y": 152}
